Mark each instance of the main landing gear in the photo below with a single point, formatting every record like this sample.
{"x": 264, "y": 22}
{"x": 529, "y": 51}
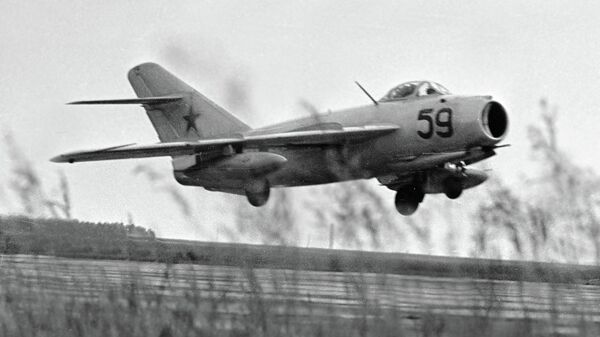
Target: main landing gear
{"x": 257, "y": 192}
{"x": 408, "y": 198}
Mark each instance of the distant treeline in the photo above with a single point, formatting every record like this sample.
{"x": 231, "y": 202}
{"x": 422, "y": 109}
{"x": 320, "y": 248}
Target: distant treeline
{"x": 68, "y": 238}
{"x": 75, "y": 239}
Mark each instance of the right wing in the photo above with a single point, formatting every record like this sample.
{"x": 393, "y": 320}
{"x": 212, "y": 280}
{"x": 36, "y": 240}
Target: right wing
{"x": 352, "y": 134}
{"x": 295, "y": 138}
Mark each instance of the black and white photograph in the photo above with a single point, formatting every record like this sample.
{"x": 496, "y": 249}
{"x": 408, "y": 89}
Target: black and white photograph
{"x": 299, "y": 168}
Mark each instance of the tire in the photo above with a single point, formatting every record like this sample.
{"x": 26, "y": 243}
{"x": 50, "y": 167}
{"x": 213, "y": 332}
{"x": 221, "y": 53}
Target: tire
{"x": 258, "y": 192}
{"x": 453, "y": 187}
{"x": 408, "y": 198}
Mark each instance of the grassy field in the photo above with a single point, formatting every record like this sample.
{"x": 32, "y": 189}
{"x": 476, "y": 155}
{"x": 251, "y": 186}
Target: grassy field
{"x": 67, "y": 278}
{"x": 47, "y": 296}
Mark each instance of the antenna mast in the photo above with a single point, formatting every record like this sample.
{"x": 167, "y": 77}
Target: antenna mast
{"x": 367, "y": 93}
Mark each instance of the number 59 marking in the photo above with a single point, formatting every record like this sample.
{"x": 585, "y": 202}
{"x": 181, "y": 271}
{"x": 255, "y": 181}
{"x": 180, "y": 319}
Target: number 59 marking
{"x": 443, "y": 121}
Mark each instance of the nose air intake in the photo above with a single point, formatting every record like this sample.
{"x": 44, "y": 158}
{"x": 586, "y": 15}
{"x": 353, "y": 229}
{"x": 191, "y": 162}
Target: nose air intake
{"x": 494, "y": 120}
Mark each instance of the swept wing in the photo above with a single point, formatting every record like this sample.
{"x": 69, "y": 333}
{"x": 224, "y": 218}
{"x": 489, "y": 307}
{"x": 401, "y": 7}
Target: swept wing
{"x": 295, "y": 138}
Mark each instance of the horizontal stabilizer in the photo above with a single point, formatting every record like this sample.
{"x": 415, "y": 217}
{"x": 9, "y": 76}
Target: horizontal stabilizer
{"x": 144, "y": 100}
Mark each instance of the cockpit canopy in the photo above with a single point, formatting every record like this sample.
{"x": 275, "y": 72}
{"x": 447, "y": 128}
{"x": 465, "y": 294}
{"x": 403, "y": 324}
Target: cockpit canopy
{"x": 414, "y": 89}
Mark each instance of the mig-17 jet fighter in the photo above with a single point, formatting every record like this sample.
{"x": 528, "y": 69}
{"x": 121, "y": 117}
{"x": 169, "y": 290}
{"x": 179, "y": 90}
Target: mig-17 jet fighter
{"x": 417, "y": 139}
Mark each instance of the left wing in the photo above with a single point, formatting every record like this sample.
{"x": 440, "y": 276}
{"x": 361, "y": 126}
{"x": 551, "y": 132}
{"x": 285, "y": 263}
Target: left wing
{"x": 427, "y": 161}
{"x": 296, "y": 138}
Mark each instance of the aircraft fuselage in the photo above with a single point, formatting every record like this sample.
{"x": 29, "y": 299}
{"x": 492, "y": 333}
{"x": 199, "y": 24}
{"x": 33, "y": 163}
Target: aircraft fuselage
{"x": 428, "y": 125}
{"x": 417, "y": 139}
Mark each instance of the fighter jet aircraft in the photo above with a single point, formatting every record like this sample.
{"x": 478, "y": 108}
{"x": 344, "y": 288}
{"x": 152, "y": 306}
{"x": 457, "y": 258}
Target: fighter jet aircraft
{"x": 417, "y": 139}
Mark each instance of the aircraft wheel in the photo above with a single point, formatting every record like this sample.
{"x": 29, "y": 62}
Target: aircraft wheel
{"x": 408, "y": 198}
{"x": 258, "y": 192}
{"x": 453, "y": 187}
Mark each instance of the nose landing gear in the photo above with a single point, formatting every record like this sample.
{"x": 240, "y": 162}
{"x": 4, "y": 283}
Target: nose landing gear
{"x": 452, "y": 187}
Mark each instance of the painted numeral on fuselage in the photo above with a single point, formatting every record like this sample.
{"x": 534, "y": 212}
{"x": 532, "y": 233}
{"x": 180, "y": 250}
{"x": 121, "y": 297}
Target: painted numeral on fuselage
{"x": 424, "y": 115}
{"x": 443, "y": 123}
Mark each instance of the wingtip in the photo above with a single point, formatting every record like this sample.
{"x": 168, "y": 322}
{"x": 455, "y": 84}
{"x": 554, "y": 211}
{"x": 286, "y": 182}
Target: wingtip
{"x": 61, "y": 159}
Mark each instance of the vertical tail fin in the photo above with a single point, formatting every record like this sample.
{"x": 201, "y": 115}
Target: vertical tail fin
{"x": 190, "y": 118}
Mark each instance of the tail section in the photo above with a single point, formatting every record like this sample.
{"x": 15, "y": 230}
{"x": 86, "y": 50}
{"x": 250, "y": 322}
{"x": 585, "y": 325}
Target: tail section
{"x": 190, "y": 118}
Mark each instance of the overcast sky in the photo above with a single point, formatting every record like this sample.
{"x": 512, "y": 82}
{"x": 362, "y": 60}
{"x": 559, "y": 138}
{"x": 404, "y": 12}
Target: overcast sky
{"x": 272, "y": 54}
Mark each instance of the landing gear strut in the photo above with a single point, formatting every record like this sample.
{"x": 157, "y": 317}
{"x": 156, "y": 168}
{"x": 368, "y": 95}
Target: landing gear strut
{"x": 257, "y": 192}
{"x": 408, "y": 198}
